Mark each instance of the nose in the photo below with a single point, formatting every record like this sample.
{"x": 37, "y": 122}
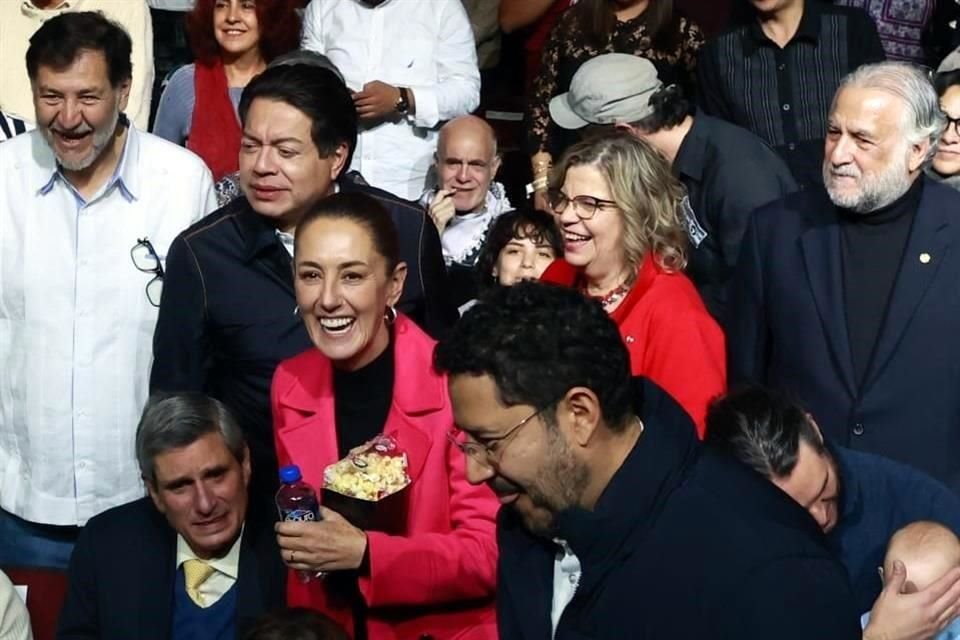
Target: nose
{"x": 477, "y": 472}
{"x": 264, "y": 164}
{"x": 463, "y": 172}
{"x": 70, "y": 115}
{"x": 233, "y": 12}
{"x": 821, "y": 514}
{"x": 950, "y": 134}
{"x": 204, "y": 499}
{"x": 527, "y": 260}
{"x": 841, "y": 153}
{"x": 330, "y": 295}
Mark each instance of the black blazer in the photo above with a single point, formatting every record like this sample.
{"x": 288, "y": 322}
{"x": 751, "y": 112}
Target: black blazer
{"x": 120, "y": 582}
{"x": 789, "y": 330}
{"x": 683, "y": 544}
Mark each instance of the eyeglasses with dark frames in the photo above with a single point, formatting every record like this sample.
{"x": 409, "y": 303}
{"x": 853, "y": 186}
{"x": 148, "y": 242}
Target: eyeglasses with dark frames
{"x": 584, "y": 206}
{"x": 483, "y": 452}
{"x": 952, "y": 122}
{"x": 145, "y": 259}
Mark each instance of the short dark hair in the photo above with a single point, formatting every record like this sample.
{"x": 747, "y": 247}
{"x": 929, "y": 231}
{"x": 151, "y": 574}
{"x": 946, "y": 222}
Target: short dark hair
{"x": 175, "y": 420}
{"x": 277, "y": 20}
{"x": 521, "y": 223}
{"x": 945, "y": 80}
{"x": 61, "y": 40}
{"x": 670, "y": 108}
{"x": 761, "y": 428}
{"x": 366, "y": 212}
{"x": 538, "y": 341}
{"x": 295, "y": 624}
{"x": 315, "y": 91}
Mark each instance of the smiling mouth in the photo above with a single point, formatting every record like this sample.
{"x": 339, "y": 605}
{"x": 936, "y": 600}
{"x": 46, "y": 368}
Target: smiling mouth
{"x": 337, "y": 326}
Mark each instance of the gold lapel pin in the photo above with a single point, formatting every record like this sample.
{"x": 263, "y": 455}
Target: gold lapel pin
{"x": 924, "y": 257}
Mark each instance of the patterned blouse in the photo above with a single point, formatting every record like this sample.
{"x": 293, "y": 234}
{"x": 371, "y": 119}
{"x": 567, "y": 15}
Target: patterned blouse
{"x": 568, "y": 47}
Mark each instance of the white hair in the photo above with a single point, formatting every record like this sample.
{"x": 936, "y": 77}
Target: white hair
{"x": 924, "y": 121}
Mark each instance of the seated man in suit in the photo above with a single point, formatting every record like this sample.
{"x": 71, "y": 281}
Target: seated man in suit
{"x": 615, "y": 524}
{"x": 185, "y": 563}
{"x": 847, "y": 297}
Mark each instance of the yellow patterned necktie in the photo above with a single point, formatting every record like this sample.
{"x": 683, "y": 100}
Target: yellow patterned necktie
{"x": 195, "y": 573}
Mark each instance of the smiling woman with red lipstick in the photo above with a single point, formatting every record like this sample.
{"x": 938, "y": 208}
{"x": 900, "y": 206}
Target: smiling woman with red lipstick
{"x": 423, "y": 562}
{"x": 619, "y": 208}
{"x": 233, "y": 40}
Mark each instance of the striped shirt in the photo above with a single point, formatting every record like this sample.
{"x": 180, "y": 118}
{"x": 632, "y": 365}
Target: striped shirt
{"x": 10, "y": 126}
{"x": 784, "y": 95}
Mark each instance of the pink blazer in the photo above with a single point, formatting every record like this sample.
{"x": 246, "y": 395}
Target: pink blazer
{"x": 436, "y": 578}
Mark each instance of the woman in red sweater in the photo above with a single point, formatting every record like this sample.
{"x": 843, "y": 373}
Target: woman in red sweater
{"x": 624, "y": 245}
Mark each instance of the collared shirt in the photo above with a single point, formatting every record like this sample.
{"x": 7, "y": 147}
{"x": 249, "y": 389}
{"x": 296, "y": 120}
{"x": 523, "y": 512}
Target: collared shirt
{"x": 566, "y": 577}
{"x": 728, "y": 172}
{"x": 75, "y": 320}
{"x": 172, "y": 5}
{"x": 19, "y": 20}
{"x": 784, "y": 95}
{"x": 225, "y": 575}
{"x": 425, "y": 46}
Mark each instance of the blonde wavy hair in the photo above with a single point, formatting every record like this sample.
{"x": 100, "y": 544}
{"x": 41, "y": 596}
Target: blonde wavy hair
{"x": 645, "y": 190}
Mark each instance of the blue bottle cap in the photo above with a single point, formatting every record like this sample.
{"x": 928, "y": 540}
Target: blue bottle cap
{"x": 290, "y": 474}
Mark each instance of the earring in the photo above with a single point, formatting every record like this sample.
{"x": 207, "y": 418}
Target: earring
{"x": 296, "y": 310}
{"x": 390, "y": 315}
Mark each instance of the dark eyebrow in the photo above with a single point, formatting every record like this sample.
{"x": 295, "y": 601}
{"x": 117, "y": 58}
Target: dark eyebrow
{"x": 343, "y": 265}
{"x": 183, "y": 481}
{"x": 287, "y": 140}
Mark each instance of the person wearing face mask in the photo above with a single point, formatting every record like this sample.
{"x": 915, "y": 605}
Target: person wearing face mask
{"x": 945, "y": 166}
{"x": 618, "y": 206}
{"x": 233, "y": 40}
{"x": 466, "y": 200}
{"x": 422, "y": 563}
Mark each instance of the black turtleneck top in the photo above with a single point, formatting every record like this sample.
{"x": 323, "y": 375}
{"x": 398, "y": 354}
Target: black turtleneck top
{"x": 872, "y": 246}
{"x": 362, "y": 400}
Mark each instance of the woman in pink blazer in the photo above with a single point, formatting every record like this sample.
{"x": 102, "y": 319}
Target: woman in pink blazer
{"x": 422, "y": 563}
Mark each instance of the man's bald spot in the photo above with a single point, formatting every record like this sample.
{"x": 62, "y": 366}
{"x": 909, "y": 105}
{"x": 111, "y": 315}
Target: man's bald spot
{"x": 467, "y": 125}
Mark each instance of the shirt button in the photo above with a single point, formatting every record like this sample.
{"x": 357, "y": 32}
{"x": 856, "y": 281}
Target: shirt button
{"x": 786, "y": 107}
{"x": 781, "y": 67}
{"x": 858, "y": 429}
{"x": 792, "y": 146}
{"x": 629, "y": 339}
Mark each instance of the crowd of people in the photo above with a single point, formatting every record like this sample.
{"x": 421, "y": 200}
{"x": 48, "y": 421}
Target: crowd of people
{"x": 695, "y": 381}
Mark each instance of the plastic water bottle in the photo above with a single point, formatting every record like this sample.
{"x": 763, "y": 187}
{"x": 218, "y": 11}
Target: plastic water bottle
{"x": 297, "y": 502}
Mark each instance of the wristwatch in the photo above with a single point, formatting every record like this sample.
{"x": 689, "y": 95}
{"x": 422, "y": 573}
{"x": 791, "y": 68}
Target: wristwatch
{"x": 403, "y": 102}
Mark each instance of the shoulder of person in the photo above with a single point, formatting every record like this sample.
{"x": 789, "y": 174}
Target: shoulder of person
{"x": 157, "y": 152}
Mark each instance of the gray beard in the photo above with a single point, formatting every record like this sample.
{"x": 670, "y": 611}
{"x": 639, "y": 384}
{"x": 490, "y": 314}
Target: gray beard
{"x": 875, "y": 193}
{"x": 101, "y": 138}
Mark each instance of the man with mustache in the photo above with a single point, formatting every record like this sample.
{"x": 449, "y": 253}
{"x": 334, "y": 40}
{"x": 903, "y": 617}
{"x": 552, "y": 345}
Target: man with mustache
{"x": 88, "y": 208}
{"x": 846, "y": 297}
{"x": 616, "y": 525}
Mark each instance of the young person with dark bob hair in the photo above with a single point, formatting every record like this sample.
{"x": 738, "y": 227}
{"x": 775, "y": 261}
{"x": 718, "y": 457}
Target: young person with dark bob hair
{"x": 520, "y": 245}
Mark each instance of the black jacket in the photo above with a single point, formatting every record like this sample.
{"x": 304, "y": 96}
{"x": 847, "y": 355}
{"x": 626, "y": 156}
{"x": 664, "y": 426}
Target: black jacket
{"x": 789, "y": 330}
{"x": 682, "y": 545}
{"x": 227, "y": 314}
{"x": 120, "y": 581}
{"x": 728, "y": 172}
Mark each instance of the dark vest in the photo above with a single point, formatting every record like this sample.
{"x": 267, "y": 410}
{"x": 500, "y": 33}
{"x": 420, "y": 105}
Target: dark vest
{"x": 190, "y": 622}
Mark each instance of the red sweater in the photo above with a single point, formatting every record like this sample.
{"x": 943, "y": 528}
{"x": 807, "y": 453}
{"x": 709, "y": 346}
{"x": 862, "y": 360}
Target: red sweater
{"x": 671, "y": 337}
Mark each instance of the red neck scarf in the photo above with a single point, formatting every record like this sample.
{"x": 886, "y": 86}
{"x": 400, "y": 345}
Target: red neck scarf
{"x": 214, "y": 129}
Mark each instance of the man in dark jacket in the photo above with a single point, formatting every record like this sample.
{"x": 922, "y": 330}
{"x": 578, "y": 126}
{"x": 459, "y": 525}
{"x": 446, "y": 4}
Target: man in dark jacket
{"x": 858, "y": 499}
{"x": 187, "y": 562}
{"x": 616, "y": 525}
{"x": 228, "y": 313}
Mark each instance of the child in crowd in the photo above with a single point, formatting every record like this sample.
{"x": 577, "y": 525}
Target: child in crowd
{"x": 928, "y": 550}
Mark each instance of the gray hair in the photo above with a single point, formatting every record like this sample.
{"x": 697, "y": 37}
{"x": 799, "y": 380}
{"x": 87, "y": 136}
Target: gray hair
{"x": 172, "y": 421}
{"x": 924, "y": 119}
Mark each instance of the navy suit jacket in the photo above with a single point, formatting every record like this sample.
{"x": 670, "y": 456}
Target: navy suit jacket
{"x": 122, "y": 571}
{"x": 789, "y": 330}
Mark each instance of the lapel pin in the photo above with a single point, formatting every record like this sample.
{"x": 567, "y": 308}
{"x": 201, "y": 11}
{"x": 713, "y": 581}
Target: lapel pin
{"x": 924, "y": 257}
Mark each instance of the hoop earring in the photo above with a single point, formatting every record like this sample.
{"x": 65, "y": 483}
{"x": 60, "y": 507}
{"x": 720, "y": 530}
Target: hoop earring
{"x": 390, "y": 315}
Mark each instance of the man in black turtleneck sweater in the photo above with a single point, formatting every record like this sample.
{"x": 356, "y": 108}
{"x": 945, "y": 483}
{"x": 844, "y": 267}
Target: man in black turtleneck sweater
{"x": 848, "y": 298}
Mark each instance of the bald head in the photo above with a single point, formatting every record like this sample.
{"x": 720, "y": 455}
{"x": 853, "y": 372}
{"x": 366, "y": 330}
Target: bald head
{"x": 928, "y": 550}
{"x": 467, "y": 161}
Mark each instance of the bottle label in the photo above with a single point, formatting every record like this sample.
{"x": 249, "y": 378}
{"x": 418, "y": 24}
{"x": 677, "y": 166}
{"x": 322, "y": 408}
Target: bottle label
{"x": 299, "y": 515}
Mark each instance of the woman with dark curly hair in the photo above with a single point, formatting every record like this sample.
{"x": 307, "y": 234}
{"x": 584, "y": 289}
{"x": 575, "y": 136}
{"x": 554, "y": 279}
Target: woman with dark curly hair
{"x": 647, "y": 28}
{"x": 617, "y": 204}
{"x": 232, "y": 40}
{"x": 520, "y": 245}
